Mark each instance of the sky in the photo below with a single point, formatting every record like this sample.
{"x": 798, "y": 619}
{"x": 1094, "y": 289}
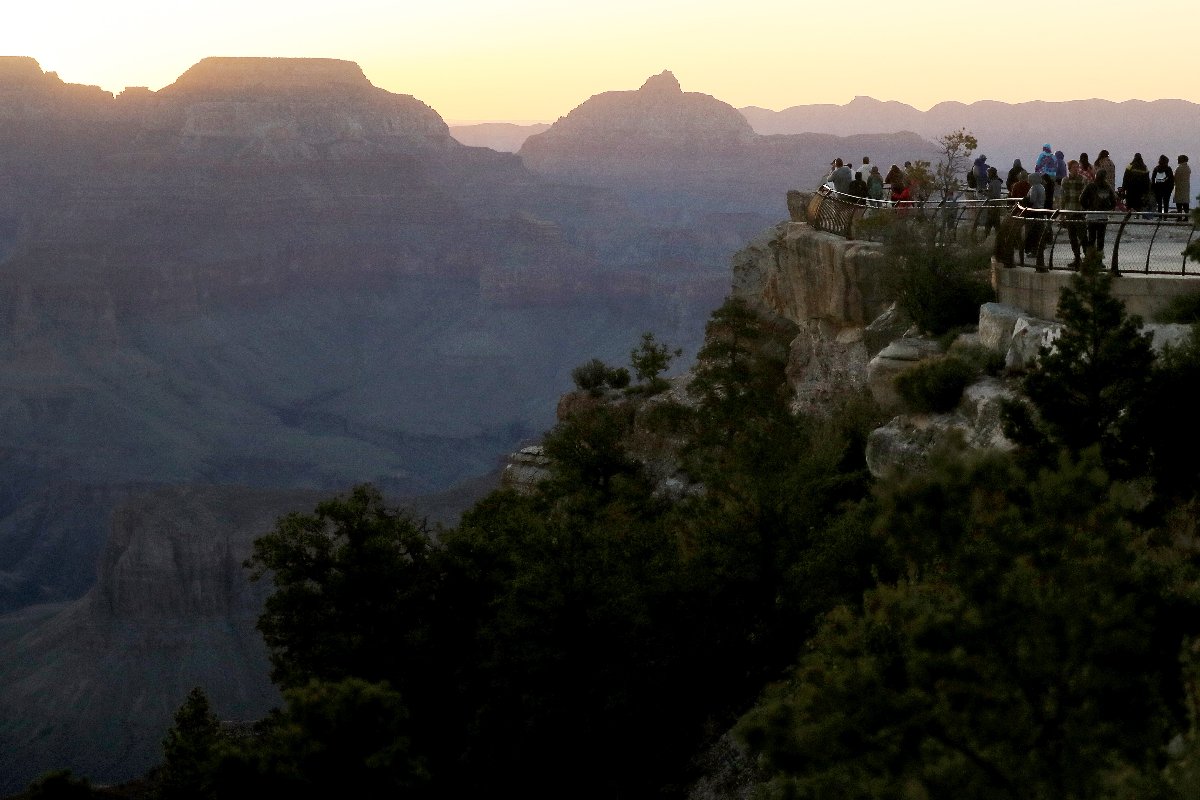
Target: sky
{"x": 535, "y": 60}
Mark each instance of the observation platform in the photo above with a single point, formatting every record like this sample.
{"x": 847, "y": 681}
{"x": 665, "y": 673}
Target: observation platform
{"x": 1145, "y": 250}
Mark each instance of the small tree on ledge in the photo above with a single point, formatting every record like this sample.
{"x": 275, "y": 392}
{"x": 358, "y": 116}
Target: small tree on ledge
{"x": 955, "y": 149}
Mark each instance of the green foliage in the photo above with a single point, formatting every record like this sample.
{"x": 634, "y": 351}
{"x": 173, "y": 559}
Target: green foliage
{"x": 1027, "y": 647}
{"x": 353, "y": 585}
{"x": 649, "y": 360}
{"x": 588, "y": 449}
{"x": 190, "y": 751}
{"x": 60, "y": 785}
{"x": 1091, "y": 387}
{"x": 939, "y": 286}
{"x": 1184, "y": 308}
{"x": 955, "y": 149}
{"x": 593, "y": 376}
{"x": 1169, "y": 433}
{"x": 935, "y": 385}
{"x": 921, "y": 179}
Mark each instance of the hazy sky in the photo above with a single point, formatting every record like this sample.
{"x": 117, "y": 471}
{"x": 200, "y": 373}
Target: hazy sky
{"x": 538, "y": 59}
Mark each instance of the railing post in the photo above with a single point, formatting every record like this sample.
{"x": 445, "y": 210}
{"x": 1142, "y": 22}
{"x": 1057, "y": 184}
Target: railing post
{"x": 1117, "y": 244}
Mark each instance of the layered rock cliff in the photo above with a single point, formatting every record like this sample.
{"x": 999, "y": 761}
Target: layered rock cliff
{"x": 92, "y": 684}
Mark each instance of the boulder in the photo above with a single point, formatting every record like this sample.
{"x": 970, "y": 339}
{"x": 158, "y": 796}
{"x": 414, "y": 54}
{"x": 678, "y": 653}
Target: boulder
{"x": 906, "y": 442}
{"x": 1029, "y": 335}
{"x": 885, "y": 329}
{"x": 996, "y": 323}
{"x": 526, "y": 468}
{"x": 898, "y": 357}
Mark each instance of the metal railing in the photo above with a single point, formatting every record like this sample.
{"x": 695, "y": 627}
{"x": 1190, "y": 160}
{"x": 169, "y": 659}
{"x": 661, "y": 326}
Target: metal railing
{"x": 1142, "y": 242}
{"x": 861, "y": 218}
{"x": 1132, "y": 241}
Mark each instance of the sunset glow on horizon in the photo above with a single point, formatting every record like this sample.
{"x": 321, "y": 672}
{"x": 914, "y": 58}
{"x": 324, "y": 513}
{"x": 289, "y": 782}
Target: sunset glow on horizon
{"x": 535, "y": 60}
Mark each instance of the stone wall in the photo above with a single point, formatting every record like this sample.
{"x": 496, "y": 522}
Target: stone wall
{"x": 1037, "y": 292}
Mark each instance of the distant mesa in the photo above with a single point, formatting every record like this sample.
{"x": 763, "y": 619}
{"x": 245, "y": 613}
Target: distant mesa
{"x": 659, "y": 118}
{"x": 223, "y": 75}
{"x": 16, "y": 70}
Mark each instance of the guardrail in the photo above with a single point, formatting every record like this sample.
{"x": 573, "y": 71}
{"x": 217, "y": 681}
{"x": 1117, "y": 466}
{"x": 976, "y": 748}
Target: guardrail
{"x": 1142, "y": 242}
{"x": 1135, "y": 242}
{"x": 859, "y": 218}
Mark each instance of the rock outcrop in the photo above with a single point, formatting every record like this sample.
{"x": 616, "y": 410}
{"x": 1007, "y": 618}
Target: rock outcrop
{"x": 92, "y": 684}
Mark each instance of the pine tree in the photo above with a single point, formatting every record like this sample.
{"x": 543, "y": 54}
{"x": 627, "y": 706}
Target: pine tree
{"x": 190, "y": 750}
{"x": 1092, "y": 385}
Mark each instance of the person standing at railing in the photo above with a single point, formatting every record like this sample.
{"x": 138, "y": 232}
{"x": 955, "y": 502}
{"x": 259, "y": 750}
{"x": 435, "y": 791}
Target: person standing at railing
{"x": 1047, "y": 165}
{"x": 1014, "y": 175}
{"x": 1035, "y": 224}
{"x": 1162, "y": 179}
{"x": 1136, "y": 183}
{"x": 1103, "y": 162}
{"x": 894, "y": 177}
{"x": 858, "y": 189}
{"x": 840, "y": 177}
{"x": 1086, "y": 169}
{"x": 865, "y": 169}
{"x": 875, "y": 186}
{"x": 1072, "y": 193}
{"x": 1098, "y": 196}
{"x": 994, "y": 193}
{"x": 981, "y": 175}
{"x": 1183, "y": 189}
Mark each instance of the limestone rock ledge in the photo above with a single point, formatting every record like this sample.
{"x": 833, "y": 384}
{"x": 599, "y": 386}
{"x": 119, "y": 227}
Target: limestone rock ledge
{"x": 803, "y": 274}
{"x": 906, "y": 443}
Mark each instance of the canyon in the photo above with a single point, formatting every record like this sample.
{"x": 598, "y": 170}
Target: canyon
{"x": 269, "y": 281}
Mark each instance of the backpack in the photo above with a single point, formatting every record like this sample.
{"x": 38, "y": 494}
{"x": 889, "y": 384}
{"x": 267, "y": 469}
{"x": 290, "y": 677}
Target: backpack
{"x": 972, "y": 182}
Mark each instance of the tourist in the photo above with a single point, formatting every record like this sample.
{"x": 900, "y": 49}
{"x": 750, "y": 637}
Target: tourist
{"x": 1162, "y": 180}
{"x": 894, "y": 177}
{"x": 1046, "y": 164}
{"x": 840, "y": 177}
{"x": 994, "y": 193}
{"x": 1183, "y": 189}
{"x": 865, "y": 169}
{"x": 1035, "y": 224}
{"x": 858, "y": 189}
{"x": 1103, "y": 162}
{"x": 981, "y": 175}
{"x": 1070, "y": 199}
{"x": 1014, "y": 175}
{"x": 1086, "y": 169}
{"x": 901, "y": 196}
{"x": 1060, "y": 167}
{"x": 874, "y": 186}
{"x": 1021, "y": 187}
{"x": 1097, "y": 197}
{"x": 1136, "y": 183}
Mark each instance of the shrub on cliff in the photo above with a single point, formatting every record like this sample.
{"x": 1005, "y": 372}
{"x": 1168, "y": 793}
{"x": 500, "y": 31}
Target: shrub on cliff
{"x": 593, "y": 376}
{"x": 940, "y": 286}
{"x": 935, "y": 385}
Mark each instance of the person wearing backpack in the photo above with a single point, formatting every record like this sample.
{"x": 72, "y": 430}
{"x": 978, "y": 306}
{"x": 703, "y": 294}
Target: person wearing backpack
{"x": 1098, "y": 196}
{"x": 1162, "y": 181}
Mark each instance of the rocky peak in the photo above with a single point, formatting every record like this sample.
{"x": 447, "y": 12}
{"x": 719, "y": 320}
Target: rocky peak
{"x": 664, "y": 82}
{"x": 656, "y": 126}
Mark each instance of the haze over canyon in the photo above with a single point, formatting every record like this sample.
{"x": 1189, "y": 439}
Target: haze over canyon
{"x": 272, "y": 280}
